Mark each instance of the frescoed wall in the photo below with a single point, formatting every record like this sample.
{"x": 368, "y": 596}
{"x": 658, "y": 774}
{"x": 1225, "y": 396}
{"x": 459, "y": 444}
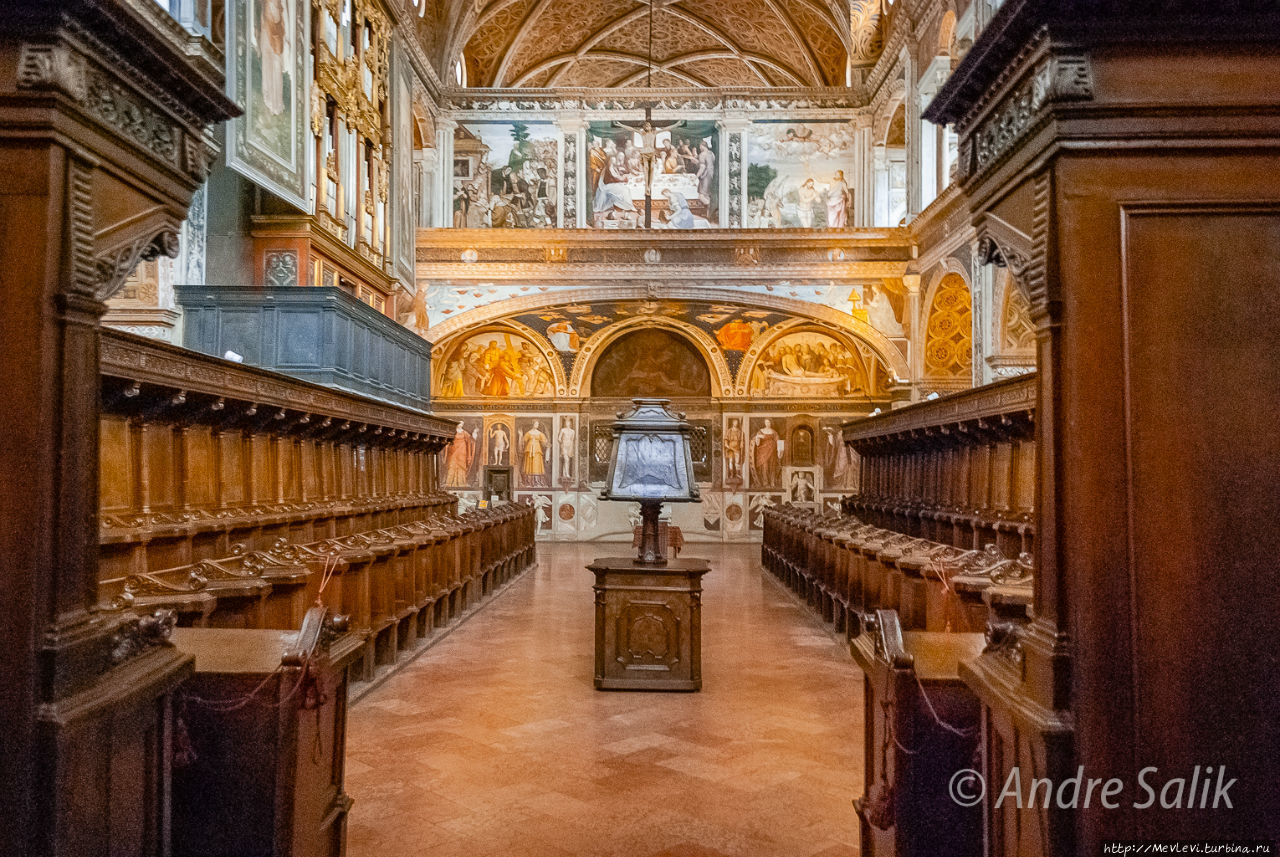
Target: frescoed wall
{"x": 800, "y": 175}
{"x": 498, "y": 363}
{"x": 505, "y": 175}
{"x": 810, "y": 364}
{"x": 752, "y": 446}
{"x": 678, "y": 162}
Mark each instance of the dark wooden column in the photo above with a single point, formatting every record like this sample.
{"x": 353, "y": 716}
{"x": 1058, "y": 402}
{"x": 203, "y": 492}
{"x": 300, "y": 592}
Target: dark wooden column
{"x": 104, "y": 114}
{"x": 1121, "y": 159}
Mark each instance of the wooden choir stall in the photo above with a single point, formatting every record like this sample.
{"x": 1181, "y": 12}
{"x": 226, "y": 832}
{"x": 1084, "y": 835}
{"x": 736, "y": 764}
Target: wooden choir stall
{"x": 296, "y": 537}
{"x": 924, "y": 568}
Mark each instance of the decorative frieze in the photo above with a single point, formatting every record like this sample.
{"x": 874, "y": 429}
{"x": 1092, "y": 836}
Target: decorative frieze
{"x": 1058, "y": 78}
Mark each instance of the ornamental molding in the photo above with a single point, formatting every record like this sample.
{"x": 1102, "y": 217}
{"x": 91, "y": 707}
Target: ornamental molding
{"x": 183, "y": 144}
{"x": 519, "y": 100}
{"x": 1001, "y": 406}
{"x": 142, "y": 361}
{"x": 115, "y": 265}
{"x": 1059, "y": 78}
{"x": 711, "y": 272}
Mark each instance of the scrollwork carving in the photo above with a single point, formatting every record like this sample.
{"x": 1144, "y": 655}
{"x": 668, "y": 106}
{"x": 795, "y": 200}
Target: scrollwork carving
{"x": 1065, "y": 77}
{"x": 115, "y": 266}
{"x": 143, "y": 633}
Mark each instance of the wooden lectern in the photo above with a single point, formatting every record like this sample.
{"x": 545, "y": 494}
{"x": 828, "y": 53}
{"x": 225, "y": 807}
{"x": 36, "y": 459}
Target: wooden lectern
{"x": 649, "y": 609}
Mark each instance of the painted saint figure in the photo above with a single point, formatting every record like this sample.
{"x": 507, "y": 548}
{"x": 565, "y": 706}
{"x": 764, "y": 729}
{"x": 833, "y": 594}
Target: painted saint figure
{"x": 566, "y": 439}
{"x": 838, "y": 202}
{"x": 808, "y": 199}
{"x": 766, "y": 457}
{"x": 563, "y": 336}
{"x": 499, "y": 443}
{"x": 271, "y": 52}
{"x": 535, "y": 451}
{"x": 706, "y": 172}
{"x": 462, "y": 453}
{"x": 734, "y": 441}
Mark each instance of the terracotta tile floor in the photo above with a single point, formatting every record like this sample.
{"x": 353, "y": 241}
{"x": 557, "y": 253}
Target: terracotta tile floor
{"x": 494, "y": 742}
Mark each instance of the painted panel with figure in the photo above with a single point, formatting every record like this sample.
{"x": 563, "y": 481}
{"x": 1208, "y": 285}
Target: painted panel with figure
{"x": 798, "y": 175}
{"x": 462, "y": 457}
{"x": 809, "y": 364}
{"x": 533, "y": 453}
{"x": 839, "y": 462}
{"x": 505, "y": 175}
{"x": 266, "y": 75}
{"x": 764, "y": 454}
{"x": 499, "y": 440}
{"x": 650, "y": 362}
{"x": 495, "y": 364}
{"x": 678, "y": 162}
{"x": 566, "y": 451}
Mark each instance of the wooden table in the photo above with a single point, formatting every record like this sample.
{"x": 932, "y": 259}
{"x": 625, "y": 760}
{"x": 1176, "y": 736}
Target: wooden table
{"x": 648, "y": 624}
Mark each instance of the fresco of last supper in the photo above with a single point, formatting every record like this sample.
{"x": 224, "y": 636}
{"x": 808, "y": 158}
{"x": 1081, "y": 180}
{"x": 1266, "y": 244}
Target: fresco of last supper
{"x": 676, "y": 161}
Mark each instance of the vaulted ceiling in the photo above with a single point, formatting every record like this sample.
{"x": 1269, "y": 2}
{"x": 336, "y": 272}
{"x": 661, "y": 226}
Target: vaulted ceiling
{"x": 605, "y": 43}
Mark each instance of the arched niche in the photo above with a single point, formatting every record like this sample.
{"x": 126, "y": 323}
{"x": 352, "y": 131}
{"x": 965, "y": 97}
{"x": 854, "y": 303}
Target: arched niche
{"x": 497, "y": 362}
{"x": 788, "y": 363}
{"x": 948, "y": 333}
{"x": 712, "y": 356}
{"x": 649, "y": 362}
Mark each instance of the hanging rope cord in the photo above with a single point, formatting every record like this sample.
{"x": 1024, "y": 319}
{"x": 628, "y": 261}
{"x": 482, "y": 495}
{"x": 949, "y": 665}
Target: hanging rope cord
{"x": 314, "y": 695}
{"x": 891, "y": 702}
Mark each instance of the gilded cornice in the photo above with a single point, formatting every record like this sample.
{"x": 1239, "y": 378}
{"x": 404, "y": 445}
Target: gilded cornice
{"x": 677, "y": 100}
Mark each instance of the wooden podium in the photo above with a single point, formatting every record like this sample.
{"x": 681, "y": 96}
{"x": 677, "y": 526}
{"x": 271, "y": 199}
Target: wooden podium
{"x": 648, "y": 624}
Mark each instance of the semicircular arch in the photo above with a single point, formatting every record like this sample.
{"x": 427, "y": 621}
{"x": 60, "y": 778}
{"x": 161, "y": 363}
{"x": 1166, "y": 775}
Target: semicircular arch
{"x": 850, "y": 341}
{"x": 447, "y": 348}
{"x": 881, "y": 344}
{"x": 717, "y": 368}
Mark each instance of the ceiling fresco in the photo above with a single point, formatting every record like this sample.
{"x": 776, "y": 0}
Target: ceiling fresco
{"x": 705, "y": 43}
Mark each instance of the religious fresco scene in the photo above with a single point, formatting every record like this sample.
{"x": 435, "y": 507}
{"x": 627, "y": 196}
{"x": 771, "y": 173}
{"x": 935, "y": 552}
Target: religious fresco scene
{"x": 498, "y": 363}
{"x": 267, "y": 73}
{"x": 557, "y": 449}
{"x": 800, "y": 175}
{"x": 676, "y": 163}
{"x": 811, "y": 365}
{"x": 505, "y": 175}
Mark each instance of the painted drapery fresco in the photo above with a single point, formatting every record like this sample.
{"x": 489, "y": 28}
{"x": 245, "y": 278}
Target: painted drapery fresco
{"x": 496, "y": 364}
{"x": 799, "y": 175}
{"x": 678, "y": 162}
{"x": 266, "y": 75}
{"x": 809, "y": 365}
{"x": 505, "y": 175}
